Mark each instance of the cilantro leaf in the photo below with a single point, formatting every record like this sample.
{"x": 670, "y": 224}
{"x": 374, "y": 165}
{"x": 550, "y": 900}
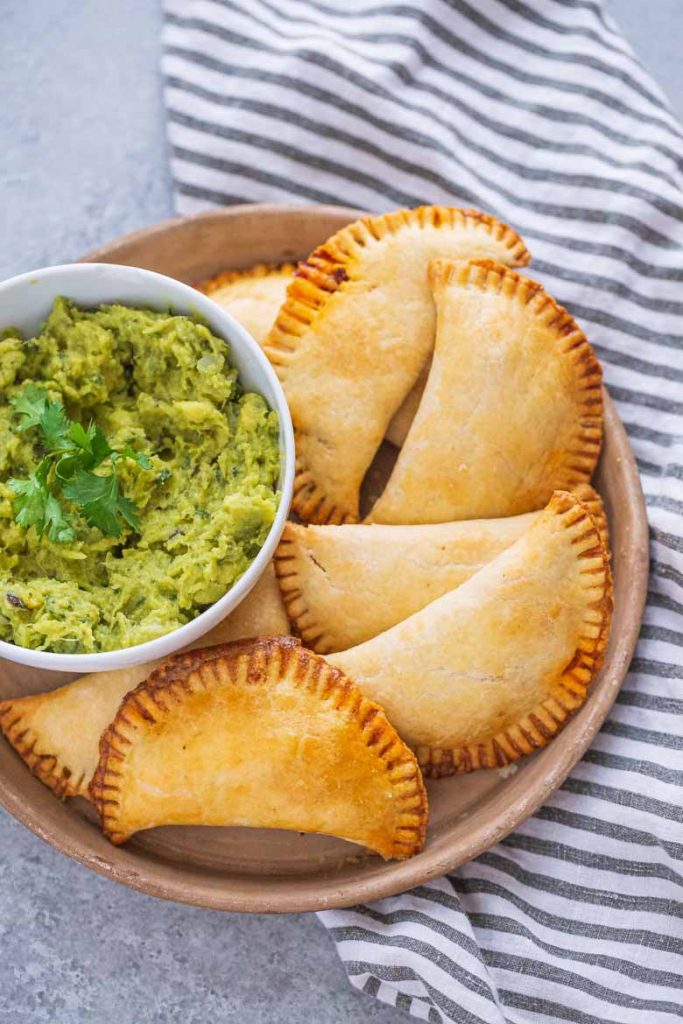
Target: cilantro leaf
{"x": 36, "y": 410}
{"x": 92, "y": 443}
{"x": 54, "y": 427}
{"x": 31, "y": 497}
{"x": 90, "y": 449}
{"x": 59, "y": 525}
{"x": 34, "y": 505}
{"x": 99, "y": 501}
{"x": 128, "y": 511}
{"x": 79, "y": 435}
{"x": 99, "y": 447}
{"x": 84, "y": 487}
{"x": 30, "y": 404}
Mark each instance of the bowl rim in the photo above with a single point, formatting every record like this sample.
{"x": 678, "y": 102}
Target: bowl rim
{"x": 226, "y": 327}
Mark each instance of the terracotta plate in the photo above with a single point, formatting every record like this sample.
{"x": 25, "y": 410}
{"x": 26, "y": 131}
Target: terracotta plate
{"x": 256, "y": 870}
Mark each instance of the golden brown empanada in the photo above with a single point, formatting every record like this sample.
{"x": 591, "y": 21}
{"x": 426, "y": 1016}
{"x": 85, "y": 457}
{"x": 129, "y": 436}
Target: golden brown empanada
{"x": 354, "y": 333}
{"x": 260, "y": 733}
{"x": 492, "y": 670}
{"x": 345, "y": 584}
{"x": 252, "y": 296}
{"x": 58, "y": 733}
{"x": 512, "y": 408}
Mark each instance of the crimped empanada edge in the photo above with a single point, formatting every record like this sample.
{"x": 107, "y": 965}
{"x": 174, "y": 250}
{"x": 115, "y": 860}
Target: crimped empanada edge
{"x": 587, "y": 494}
{"x": 46, "y": 767}
{"x": 268, "y": 658}
{"x": 582, "y": 454}
{"x": 570, "y": 691}
{"x": 325, "y": 272}
{"x": 260, "y": 270}
{"x": 288, "y": 564}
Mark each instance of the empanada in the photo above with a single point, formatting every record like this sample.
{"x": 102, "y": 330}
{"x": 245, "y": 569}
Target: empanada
{"x": 355, "y": 330}
{"x": 512, "y": 408}
{"x": 345, "y": 584}
{"x": 252, "y": 296}
{"x": 259, "y": 733}
{"x": 492, "y": 670}
{"x": 57, "y": 734}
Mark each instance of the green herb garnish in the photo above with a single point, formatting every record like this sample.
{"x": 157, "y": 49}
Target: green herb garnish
{"x": 73, "y": 453}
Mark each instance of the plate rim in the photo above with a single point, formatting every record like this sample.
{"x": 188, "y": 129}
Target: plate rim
{"x": 195, "y": 886}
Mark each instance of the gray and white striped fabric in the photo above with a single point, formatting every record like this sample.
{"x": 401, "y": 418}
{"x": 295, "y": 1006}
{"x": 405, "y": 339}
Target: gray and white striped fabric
{"x": 537, "y": 111}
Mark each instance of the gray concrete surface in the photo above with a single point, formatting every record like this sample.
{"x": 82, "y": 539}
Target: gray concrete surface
{"x": 81, "y": 127}
{"x": 77, "y": 949}
{"x": 654, "y": 28}
{"x": 82, "y": 159}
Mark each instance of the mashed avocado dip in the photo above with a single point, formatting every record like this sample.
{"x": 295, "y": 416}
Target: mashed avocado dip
{"x": 161, "y": 386}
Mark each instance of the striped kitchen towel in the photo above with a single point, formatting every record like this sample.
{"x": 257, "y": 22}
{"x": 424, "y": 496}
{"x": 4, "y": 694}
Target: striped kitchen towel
{"x": 537, "y": 111}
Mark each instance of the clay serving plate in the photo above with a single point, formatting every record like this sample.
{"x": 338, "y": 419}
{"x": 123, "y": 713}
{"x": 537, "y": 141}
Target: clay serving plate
{"x": 258, "y": 870}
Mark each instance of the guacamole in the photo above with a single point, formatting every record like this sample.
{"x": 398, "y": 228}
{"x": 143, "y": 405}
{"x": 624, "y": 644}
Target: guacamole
{"x": 160, "y": 386}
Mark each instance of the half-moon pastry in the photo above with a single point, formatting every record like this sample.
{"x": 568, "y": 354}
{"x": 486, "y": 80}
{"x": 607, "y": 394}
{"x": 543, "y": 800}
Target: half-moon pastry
{"x": 492, "y": 670}
{"x": 512, "y": 408}
{"x": 58, "y": 733}
{"x": 355, "y": 330}
{"x": 259, "y": 733}
{"x": 252, "y": 296}
{"x": 343, "y": 585}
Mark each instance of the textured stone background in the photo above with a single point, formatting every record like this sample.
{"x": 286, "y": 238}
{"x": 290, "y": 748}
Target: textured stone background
{"x": 83, "y": 160}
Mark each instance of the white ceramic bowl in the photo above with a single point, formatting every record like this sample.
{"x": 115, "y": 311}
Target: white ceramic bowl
{"x": 25, "y": 302}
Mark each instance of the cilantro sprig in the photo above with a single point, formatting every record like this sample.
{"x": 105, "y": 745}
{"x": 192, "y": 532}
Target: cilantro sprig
{"x": 67, "y": 470}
